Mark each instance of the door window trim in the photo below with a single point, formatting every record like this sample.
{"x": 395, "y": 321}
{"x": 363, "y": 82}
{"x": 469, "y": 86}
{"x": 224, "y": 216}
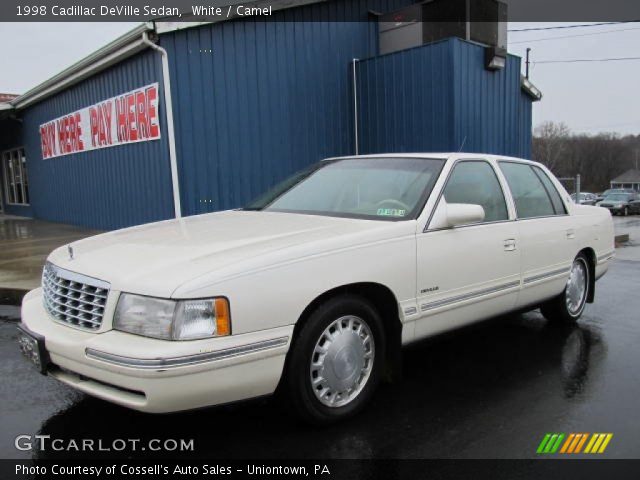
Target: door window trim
{"x": 444, "y": 187}
{"x": 5, "y": 158}
{"x": 515, "y": 206}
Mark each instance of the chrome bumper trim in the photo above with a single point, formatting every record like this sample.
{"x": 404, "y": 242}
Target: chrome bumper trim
{"x": 467, "y": 296}
{"x": 544, "y": 276}
{"x": 156, "y": 363}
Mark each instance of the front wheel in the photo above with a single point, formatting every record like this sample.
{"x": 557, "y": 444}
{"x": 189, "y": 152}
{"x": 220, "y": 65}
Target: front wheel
{"x": 569, "y": 305}
{"x": 336, "y": 360}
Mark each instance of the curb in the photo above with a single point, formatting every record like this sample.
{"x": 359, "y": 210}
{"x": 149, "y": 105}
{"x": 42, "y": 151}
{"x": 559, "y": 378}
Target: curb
{"x": 622, "y": 238}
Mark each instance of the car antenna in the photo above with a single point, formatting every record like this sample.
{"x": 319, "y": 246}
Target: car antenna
{"x": 464, "y": 140}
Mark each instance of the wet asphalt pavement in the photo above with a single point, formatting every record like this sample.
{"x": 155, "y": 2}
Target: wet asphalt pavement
{"x": 490, "y": 391}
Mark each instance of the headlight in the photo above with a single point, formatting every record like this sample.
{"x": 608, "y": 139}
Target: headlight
{"x": 172, "y": 320}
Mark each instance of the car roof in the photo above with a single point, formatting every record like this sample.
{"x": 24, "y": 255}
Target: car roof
{"x": 435, "y": 155}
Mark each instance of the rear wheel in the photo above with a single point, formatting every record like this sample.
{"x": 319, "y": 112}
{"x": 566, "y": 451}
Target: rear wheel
{"x": 569, "y": 305}
{"x": 336, "y": 360}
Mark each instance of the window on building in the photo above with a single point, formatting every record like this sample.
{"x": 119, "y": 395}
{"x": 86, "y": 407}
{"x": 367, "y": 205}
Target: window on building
{"x": 475, "y": 182}
{"x": 528, "y": 190}
{"x": 16, "y": 185}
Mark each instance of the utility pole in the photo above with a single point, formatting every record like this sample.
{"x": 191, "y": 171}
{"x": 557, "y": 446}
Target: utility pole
{"x": 527, "y": 64}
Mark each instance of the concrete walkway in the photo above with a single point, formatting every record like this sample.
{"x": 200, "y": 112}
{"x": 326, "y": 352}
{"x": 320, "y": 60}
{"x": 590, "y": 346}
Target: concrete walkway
{"x": 24, "y": 246}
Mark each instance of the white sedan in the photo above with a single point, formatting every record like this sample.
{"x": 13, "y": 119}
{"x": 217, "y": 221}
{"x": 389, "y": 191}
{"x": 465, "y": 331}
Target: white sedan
{"x": 316, "y": 286}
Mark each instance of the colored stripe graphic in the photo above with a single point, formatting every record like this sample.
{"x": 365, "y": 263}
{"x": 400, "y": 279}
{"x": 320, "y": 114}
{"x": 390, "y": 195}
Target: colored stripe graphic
{"x": 550, "y": 443}
{"x": 574, "y": 443}
{"x": 598, "y": 443}
{"x": 581, "y": 442}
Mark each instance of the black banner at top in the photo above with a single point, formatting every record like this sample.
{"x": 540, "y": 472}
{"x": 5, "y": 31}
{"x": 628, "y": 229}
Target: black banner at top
{"x": 311, "y": 10}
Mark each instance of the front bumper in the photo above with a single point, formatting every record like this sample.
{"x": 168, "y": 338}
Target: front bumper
{"x": 159, "y": 376}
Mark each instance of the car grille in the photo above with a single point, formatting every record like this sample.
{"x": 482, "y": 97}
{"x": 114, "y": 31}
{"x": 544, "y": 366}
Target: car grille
{"x": 73, "y": 298}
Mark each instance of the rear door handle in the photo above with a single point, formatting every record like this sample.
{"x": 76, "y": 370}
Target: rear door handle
{"x": 509, "y": 245}
{"x": 571, "y": 234}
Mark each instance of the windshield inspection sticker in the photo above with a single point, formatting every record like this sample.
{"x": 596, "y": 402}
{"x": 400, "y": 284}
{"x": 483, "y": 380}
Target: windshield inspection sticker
{"x": 392, "y": 212}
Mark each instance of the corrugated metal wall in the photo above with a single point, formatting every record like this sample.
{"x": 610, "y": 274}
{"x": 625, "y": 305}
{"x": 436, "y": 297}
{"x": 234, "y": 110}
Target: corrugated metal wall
{"x": 491, "y": 111}
{"x": 108, "y": 188}
{"x": 439, "y": 97}
{"x": 256, "y": 101}
{"x": 406, "y": 100}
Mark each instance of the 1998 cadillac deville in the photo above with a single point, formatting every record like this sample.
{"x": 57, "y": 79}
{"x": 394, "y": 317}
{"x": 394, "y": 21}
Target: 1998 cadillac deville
{"x": 315, "y": 286}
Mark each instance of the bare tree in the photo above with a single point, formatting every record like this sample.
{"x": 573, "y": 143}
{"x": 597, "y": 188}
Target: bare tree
{"x": 550, "y": 141}
{"x": 597, "y": 158}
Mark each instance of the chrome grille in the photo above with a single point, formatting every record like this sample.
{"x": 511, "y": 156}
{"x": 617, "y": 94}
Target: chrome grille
{"x": 73, "y": 298}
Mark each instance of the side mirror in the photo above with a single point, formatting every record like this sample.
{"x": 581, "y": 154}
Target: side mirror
{"x": 464, "y": 214}
{"x": 448, "y": 215}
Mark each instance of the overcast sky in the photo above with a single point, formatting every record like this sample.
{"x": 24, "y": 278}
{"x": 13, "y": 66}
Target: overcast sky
{"x": 589, "y": 97}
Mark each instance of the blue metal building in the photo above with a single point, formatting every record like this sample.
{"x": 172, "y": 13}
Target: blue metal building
{"x": 252, "y": 101}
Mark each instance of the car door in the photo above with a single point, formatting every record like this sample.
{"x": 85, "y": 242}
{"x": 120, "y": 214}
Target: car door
{"x": 469, "y": 272}
{"x": 547, "y": 234}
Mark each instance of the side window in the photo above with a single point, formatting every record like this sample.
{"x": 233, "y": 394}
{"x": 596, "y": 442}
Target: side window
{"x": 474, "y": 181}
{"x": 552, "y": 191}
{"x": 529, "y": 193}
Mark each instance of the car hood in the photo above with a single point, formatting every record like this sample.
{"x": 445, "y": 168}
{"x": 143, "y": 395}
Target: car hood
{"x": 157, "y": 258}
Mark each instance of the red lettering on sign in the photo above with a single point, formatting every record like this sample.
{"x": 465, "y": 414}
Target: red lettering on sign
{"x": 48, "y": 140}
{"x": 121, "y": 119}
{"x": 107, "y": 111}
{"x": 131, "y": 111}
{"x": 61, "y": 134}
{"x": 43, "y": 142}
{"x": 79, "y": 141}
{"x": 73, "y": 139}
{"x": 152, "y": 111}
{"x": 141, "y": 116}
{"x": 130, "y": 117}
{"x": 93, "y": 125}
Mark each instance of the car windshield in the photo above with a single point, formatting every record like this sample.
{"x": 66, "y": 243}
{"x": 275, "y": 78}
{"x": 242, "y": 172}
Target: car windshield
{"x": 617, "y": 197}
{"x": 368, "y": 188}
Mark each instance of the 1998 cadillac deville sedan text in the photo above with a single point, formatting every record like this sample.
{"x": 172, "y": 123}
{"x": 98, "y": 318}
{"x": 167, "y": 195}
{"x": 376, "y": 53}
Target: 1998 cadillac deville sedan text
{"x": 315, "y": 286}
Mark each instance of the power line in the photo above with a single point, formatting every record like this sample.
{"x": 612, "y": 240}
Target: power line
{"x": 572, "y": 36}
{"x": 578, "y": 60}
{"x": 583, "y": 25}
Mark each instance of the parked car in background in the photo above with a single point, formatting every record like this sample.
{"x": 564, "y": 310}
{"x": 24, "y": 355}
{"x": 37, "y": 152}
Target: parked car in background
{"x": 586, "y": 198}
{"x": 601, "y": 196}
{"x": 621, "y": 203}
{"x": 315, "y": 287}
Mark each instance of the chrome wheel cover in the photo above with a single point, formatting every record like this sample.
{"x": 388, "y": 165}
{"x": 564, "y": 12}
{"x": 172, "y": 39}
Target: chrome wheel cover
{"x": 576, "y": 289}
{"x": 342, "y": 361}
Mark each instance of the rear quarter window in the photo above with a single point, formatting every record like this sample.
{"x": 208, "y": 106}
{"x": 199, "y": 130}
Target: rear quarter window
{"x": 529, "y": 193}
{"x": 556, "y": 199}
